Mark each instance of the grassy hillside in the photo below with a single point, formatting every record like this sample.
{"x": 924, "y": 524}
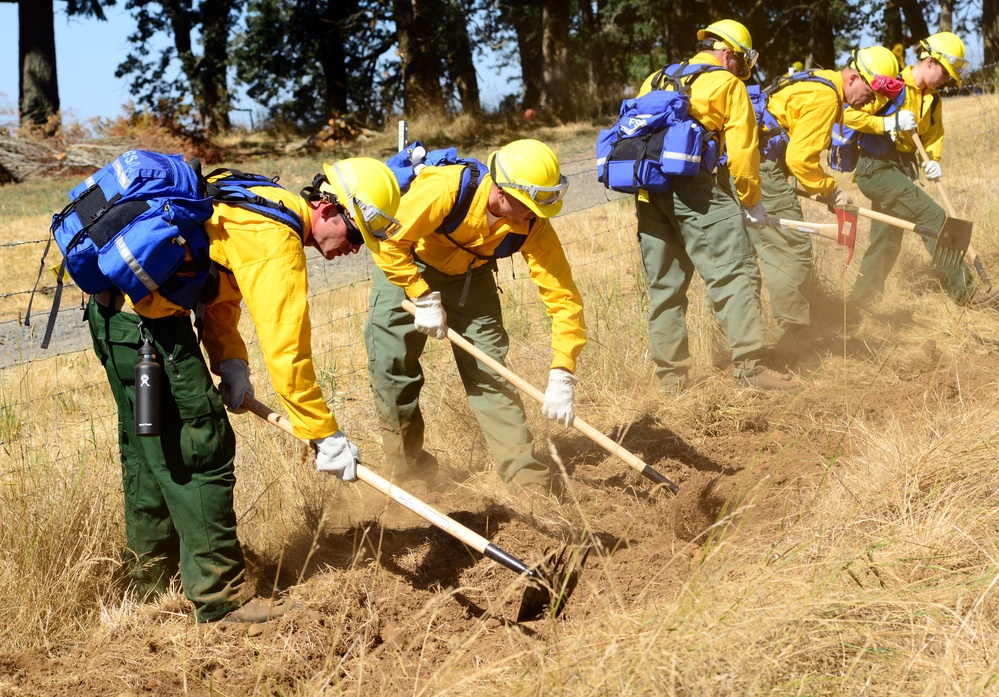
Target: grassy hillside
{"x": 842, "y": 540}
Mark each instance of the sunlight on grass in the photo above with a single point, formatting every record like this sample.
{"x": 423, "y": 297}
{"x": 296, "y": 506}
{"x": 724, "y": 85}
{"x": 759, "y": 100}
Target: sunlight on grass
{"x": 842, "y": 540}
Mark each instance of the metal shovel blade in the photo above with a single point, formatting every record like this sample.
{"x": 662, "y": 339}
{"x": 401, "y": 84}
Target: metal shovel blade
{"x": 952, "y": 243}
{"x": 551, "y": 583}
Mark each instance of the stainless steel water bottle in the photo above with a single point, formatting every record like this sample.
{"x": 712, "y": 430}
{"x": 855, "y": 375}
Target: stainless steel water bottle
{"x": 148, "y": 385}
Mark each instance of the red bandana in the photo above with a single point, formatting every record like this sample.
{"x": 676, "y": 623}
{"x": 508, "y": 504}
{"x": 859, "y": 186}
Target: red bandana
{"x": 888, "y": 86}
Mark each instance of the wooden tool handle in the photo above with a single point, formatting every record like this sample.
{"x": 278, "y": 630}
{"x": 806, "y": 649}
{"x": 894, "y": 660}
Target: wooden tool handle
{"x": 586, "y": 429}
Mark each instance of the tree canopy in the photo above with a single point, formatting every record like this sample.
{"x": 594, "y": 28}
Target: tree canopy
{"x": 305, "y": 61}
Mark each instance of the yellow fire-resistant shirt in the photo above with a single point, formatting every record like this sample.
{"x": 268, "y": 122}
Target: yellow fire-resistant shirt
{"x": 267, "y": 264}
{"x": 924, "y": 103}
{"x": 422, "y": 210}
{"x": 720, "y": 103}
{"x": 807, "y": 110}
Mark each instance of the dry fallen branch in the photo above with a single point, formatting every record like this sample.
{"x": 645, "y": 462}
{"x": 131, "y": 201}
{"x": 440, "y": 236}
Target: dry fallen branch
{"x": 21, "y": 159}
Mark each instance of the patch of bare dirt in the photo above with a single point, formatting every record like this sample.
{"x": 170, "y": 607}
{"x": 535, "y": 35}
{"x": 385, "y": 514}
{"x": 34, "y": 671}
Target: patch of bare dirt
{"x": 392, "y": 599}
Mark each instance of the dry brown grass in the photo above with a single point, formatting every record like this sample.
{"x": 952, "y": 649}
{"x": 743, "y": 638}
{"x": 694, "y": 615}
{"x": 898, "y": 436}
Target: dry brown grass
{"x": 875, "y": 575}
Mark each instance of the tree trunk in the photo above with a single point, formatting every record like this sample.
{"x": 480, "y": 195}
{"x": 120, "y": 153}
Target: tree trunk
{"x": 525, "y": 16}
{"x": 916, "y": 22}
{"x": 556, "y": 89}
{"x": 946, "y": 22}
{"x": 597, "y": 91}
{"x": 821, "y": 38}
{"x": 457, "y": 51}
{"x": 214, "y": 65}
{"x": 332, "y": 57}
{"x": 990, "y": 31}
{"x": 893, "y": 23}
{"x": 206, "y": 75}
{"x": 418, "y": 59}
{"x": 38, "y": 93}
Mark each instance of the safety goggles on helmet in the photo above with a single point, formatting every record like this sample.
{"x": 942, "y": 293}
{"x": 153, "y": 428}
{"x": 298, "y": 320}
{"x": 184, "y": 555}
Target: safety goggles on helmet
{"x": 315, "y": 193}
{"x": 541, "y": 195}
{"x": 745, "y": 57}
{"x": 958, "y": 64}
{"x": 379, "y": 224}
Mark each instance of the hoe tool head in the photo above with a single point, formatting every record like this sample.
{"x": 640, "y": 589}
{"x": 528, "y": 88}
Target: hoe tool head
{"x": 846, "y": 218}
{"x": 550, "y": 584}
{"x": 952, "y": 243}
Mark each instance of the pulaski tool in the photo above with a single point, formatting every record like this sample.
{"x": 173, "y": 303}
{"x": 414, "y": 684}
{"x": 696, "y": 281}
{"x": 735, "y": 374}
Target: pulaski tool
{"x": 537, "y": 395}
{"x": 549, "y": 584}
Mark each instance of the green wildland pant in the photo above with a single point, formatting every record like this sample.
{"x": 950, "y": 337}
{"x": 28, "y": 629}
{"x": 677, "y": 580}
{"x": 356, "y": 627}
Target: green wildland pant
{"x": 698, "y": 225}
{"x": 786, "y": 255}
{"x": 891, "y": 191}
{"x": 394, "y": 350}
{"x": 178, "y": 485}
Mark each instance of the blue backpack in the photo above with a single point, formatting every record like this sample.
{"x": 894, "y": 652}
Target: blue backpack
{"x": 847, "y": 143}
{"x": 655, "y": 138}
{"x": 772, "y": 136}
{"x": 405, "y": 170}
{"x": 131, "y": 224}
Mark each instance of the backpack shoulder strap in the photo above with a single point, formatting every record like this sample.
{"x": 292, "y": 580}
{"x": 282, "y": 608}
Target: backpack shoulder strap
{"x": 783, "y": 81}
{"x": 681, "y": 75}
{"x": 231, "y": 186}
{"x": 471, "y": 177}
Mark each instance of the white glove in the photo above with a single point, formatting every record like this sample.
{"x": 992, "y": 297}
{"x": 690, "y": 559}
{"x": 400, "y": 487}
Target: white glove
{"x": 841, "y": 199}
{"x": 559, "y": 397}
{"x": 903, "y": 120}
{"x": 430, "y": 316}
{"x": 755, "y": 217}
{"x": 235, "y": 385}
{"x": 932, "y": 169}
{"x": 338, "y": 455}
{"x": 837, "y": 199}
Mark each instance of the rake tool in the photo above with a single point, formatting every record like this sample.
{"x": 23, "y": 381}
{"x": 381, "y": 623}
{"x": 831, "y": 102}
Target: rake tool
{"x": 549, "y": 584}
{"x": 534, "y": 393}
{"x": 976, "y": 260}
{"x": 953, "y": 239}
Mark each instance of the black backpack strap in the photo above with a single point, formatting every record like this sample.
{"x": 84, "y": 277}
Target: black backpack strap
{"x": 56, "y": 299}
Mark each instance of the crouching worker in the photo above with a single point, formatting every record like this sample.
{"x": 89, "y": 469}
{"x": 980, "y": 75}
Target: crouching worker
{"x": 179, "y": 484}
{"x": 449, "y": 275}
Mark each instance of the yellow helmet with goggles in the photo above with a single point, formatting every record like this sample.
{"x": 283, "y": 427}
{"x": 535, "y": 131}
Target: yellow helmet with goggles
{"x": 734, "y": 36}
{"x": 948, "y": 50}
{"x": 874, "y": 61}
{"x": 529, "y": 171}
{"x": 366, "y": 190}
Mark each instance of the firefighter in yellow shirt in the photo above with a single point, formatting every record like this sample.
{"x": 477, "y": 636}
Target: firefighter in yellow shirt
{"x": 804, "y": 108}
{"x": 698, "y": 224}
{"x": 887, "y": 169}
{"x": 179, "y": 485}
{"x": 451, "y": 280}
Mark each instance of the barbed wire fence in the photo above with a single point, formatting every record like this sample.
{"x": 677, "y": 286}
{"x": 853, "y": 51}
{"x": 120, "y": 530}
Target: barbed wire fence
{"x": 338, "y": 334}
{"x": 32, "y": 382}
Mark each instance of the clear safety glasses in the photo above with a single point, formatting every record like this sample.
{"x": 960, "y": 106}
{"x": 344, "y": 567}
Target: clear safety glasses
{"x": 380, "y": 224}
{"x": 541, "y": 195}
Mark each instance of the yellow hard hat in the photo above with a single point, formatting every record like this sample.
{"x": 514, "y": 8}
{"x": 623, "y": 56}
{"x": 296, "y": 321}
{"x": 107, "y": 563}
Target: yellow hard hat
{"x": 948, "y": 50}
{"x": 873, "y": 61}
{"x": 736, "y": 37}
{"x": 368, "y": 190}
{"x": 529, "y": 171}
